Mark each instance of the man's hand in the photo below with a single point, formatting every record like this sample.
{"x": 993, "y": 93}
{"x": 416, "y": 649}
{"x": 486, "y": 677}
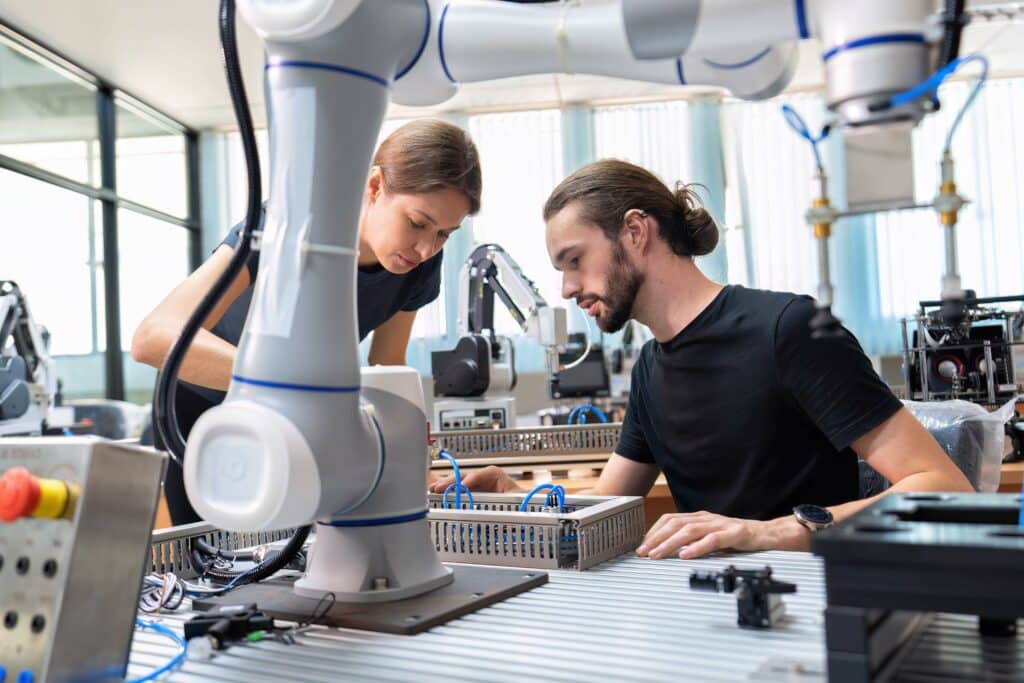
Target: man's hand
{"x": 695, "y": 534}
{"x": 491, "y": 478}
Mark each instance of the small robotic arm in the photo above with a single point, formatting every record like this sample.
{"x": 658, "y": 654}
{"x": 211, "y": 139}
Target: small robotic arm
{"x": 28, "y": 374}
{"x": 482, "y": 361}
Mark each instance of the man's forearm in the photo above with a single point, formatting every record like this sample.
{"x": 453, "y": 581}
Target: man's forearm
{"x": 786, "y": 533}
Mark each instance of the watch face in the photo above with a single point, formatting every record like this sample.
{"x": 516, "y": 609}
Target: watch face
{"x": 813, "y": 514}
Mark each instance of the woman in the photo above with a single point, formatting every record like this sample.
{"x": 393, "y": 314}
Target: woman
{"x": 425, "y": 179}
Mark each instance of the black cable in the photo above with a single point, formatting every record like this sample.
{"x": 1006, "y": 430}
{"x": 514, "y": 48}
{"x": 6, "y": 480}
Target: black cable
{"x": 954, "y": 21}
{"x": 277, "y": 562}
{"x": 213, "y": 551}
{"x": 165, "y": 417}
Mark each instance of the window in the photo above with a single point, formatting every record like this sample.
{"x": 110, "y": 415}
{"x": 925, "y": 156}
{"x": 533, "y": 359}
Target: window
{"x": 772, "y": 167}
{"x": 653, "y": 136}
{"x": 152, "y": 260}
{"x": 53, "y": 228}
{"x": 521, "y": 160}
{"x": 150, "y": 161}
{"x": 48, "y": 117}
{"x": 46, "y": 250}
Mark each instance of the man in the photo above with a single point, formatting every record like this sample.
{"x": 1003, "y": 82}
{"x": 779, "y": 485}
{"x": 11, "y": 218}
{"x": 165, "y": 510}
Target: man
{"x": 746, "y": 414}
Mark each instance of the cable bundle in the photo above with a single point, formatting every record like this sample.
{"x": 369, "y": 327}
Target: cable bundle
{"x": 579, "y": 414}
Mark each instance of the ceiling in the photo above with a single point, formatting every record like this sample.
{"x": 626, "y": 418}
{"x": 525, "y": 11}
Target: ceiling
{"x": 168, "y": 55}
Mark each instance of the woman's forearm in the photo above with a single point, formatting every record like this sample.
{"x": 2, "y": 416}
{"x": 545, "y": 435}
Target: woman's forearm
{"x": 207, "y": 363}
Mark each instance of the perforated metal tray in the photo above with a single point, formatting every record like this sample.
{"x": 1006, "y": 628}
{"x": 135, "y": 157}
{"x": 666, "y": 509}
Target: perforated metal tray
{"x": 529, "y": 445}
{"x": 590, "y": 530}
{"x": 169, "y": 548}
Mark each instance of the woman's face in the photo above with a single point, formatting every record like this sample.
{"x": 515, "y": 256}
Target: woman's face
{"x": 404, "y": 230}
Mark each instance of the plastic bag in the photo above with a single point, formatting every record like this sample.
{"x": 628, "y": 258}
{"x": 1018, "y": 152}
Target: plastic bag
{"x": 973, "y": 437}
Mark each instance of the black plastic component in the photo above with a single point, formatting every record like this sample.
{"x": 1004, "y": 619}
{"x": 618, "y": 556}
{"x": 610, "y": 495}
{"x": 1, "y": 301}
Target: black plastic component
{"x": 464, "y": 371}
{"x": 14, "y": 393}
{"x": 757, "y": 594}
{"x": 998, "y": 628}
{"x": 38, "y": 623}
{"x": 824, "y": 324}
{"x": 50, "y": 568}
{"x": 1014, "y": 430}
{"x": 589, "y": 379}
{"x": 11, "y": 619}
{"x": 908, "y": 555}
{"x": 22, "y": 565}
{"x": 225, "y": 624}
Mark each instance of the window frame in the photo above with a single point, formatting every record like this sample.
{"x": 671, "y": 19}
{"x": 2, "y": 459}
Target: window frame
{"x": 108, "y": 98}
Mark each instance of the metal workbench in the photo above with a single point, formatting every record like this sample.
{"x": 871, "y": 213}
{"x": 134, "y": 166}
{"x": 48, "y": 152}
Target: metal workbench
{"x": 628, "y": 619}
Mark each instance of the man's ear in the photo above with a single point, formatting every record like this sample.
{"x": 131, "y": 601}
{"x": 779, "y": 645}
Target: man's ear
{"x": 637, "y": 230}
{"x": 374, "y": 184}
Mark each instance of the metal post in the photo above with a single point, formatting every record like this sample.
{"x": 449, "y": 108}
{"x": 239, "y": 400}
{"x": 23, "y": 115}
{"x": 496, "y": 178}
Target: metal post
{"x": 195, "y": 208}
{"x": 990, "y": 373}
{"x": 922, "y": 358}
{"x": 107, "y": 114}
{"x": 906, "y": 359}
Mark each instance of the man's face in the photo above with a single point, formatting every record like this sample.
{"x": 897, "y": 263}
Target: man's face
{"x": 596, "y": 271}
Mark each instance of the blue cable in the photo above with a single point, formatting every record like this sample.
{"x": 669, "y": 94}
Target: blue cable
{"x": 459, "y": 488}
{"x": 932, "y": 83}
{"x": 579, "y": 414}
{"x": 1020, "y": 520}
{"x": 555, "y": 489}
{"x": 174, "y": 663}
{"x": 970, "y": 98}
{"x": 797, "y": 123}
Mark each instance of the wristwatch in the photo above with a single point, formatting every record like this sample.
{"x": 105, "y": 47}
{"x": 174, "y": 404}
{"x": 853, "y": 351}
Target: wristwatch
{"x": 813, "y": 517}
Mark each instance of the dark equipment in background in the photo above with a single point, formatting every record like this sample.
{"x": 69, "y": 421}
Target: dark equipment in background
{"x": 758, "y": 604}
{"x": 589, "y": 379}
{"x": 29, "y": 387}
{"x": 968, "y": 356}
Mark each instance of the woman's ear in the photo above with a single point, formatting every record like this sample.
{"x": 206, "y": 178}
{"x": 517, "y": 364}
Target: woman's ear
{"x": 374, "y": 184}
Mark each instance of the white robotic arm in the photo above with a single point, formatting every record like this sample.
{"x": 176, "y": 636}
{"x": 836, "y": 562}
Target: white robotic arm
{"x": 482, "y": 362}
{"x": 296, "y": 438}
{"x": 28, "y": 374}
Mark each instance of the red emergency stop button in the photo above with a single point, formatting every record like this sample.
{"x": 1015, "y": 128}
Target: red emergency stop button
{"x": 19, "y": 494}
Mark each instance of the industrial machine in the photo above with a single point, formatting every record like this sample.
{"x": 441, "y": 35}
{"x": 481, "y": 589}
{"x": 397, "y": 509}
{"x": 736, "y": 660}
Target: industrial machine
{"x": 477, "y": 376}
{"x": 76, "y": 514}
{"x": 318, "y": 439}
{"x": 28, "y": 375}
{"x": 970, "y": 356}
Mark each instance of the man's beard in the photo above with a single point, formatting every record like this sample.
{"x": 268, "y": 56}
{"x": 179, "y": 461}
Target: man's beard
{"x": 624, "y": 281}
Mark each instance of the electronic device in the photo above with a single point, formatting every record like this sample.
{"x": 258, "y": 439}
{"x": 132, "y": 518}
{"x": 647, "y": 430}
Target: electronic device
{"x": 77, "y": 514}
{"x": 970, "y": 356}
{"x": 587, "y": 378}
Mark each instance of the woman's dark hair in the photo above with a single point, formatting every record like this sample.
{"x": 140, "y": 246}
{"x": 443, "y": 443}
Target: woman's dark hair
{"x": 430, "y": 155}
{"x": 607, "y": 189}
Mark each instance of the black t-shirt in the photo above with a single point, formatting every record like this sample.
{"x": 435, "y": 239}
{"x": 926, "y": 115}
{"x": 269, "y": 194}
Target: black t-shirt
{"x": 380, "y": 295}
{"x": 747, "y": 415}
